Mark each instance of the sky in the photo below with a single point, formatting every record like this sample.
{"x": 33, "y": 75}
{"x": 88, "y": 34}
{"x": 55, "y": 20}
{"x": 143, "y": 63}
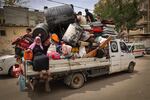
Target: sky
{"x": 39, "y": 4}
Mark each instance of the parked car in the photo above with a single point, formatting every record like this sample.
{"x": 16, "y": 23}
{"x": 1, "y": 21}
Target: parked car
{"x": 147, "y": 50}
{"x": 6, "y": 64}
{"x": 138, "y": 49}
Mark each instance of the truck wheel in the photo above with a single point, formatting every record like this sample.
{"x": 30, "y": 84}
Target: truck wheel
{"x": 131, "y": 68}
{"x": 77, "y": 81}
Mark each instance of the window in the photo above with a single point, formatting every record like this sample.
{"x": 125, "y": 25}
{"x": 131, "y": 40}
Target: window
{"x": 114, "y": 47}
{"x": 2, "y": 33}
{"x": 123, "y": 47}
{"x": 140, "y": 46}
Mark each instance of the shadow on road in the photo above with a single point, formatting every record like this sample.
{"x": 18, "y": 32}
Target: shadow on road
{"x": 4, "y": 77}
{"x": 60, "y": 91}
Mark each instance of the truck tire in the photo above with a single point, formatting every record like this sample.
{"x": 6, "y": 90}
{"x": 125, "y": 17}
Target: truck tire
{"x": 131, "y": 68}
{"x": 77, "y": 81}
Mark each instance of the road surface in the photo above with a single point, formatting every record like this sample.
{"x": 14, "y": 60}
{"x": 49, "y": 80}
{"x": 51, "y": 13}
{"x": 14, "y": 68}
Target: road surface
{"x": 119, "y": 86}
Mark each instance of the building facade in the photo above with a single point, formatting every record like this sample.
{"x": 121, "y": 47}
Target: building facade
{"x": 142, "y": 31}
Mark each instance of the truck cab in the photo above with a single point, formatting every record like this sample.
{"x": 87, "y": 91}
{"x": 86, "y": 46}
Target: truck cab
{"x": 120, "y": 56}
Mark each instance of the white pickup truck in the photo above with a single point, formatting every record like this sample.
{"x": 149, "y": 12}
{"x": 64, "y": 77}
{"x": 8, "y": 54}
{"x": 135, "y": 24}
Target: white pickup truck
{"x": 75, "y": 72}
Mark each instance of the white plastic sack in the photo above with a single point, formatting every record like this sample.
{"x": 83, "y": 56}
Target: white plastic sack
{"x": 72, "y": 34}
{"x": 82, "y": 51}
{"x": 100, "y": 39}
{"x": 52, "y": 48}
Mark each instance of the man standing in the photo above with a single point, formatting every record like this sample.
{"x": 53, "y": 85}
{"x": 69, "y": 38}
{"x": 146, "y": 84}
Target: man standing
{"x": 89, "y": 16}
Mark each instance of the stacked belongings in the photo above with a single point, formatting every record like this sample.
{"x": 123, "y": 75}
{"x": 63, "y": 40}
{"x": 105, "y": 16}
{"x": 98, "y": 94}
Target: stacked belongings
{"x": 69, "y": 39}
{"x": 21, "y": 44}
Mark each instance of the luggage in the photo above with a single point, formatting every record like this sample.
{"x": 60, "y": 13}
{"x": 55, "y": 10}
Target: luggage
{"x": 73, "y": 34}
{"x": 60, "y": 15}
{"x": 40, "y": 62}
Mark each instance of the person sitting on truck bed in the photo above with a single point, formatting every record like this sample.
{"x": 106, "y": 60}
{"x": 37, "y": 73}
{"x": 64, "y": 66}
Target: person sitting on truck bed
{"x": 37, "y": 47}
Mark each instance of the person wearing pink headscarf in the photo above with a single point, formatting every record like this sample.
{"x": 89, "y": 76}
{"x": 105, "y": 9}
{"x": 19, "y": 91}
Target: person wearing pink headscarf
{"x": 37, "y": 47}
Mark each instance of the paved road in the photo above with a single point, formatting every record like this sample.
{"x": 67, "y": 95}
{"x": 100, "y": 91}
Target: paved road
{"x": 120, "y": 86}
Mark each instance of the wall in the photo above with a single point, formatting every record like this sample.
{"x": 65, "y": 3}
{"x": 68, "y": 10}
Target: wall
{"x": 17, "y": 16}
{"x": 11, "y": 34}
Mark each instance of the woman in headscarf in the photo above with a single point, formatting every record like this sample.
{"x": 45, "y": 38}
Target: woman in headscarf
{"x": 38, "y": 50}
{"x": 37, "y": 47}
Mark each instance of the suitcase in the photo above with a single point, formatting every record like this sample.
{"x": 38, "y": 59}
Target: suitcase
{"x": 40, "y": 62}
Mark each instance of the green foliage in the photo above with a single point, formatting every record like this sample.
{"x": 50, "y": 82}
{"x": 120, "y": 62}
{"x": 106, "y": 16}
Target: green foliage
{"x": 14, "y": 2}
{"x": 123, "y": 12}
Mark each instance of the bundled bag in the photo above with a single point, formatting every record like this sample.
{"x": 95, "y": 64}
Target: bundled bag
{"x": 73, "y": 34}
{"x": 40, "y": 62}
{"x": 53, "y": 55}
{"x": 97, "y": 29}
{"x": 28, "y": 55}
{"x": 66, "y": 49}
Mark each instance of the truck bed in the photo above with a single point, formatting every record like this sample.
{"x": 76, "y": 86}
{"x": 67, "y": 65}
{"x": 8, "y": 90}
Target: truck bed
{"x": 66, "y": 65}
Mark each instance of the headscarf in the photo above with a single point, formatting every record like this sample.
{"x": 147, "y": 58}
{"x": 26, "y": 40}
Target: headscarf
{"x": 55, "y": 38}
{"x": 35, "y": 43}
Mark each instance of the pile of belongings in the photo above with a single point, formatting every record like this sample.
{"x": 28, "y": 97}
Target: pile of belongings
{"x": 72, "y": 40}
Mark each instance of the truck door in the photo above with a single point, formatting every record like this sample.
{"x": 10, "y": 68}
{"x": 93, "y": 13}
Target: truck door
{"x": 124, "y": 56}
{"x": 115, "y": 57}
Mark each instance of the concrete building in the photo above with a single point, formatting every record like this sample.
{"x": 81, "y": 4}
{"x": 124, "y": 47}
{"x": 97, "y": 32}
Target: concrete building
{"x": 142, "y": 31}
{"x": 13, "y": 23}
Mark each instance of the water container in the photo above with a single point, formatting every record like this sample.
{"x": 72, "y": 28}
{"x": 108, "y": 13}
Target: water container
{"x": 60, "y": 15}
{"x": 41, "y": 29}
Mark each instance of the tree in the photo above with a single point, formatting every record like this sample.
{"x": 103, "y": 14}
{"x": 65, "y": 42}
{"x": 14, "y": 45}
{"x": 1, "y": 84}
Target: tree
{"x": 14, "y": 2}
{"x": 125, "y": 13}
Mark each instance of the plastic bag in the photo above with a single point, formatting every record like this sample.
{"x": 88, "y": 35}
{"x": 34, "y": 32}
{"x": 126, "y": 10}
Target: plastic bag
{"x": 66, "y": 49}
{"x": 54, "y": 55}
{"x": 52, "y": 47}
{"x": 82, "y": 51}
{"x": 22, "y": 84}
